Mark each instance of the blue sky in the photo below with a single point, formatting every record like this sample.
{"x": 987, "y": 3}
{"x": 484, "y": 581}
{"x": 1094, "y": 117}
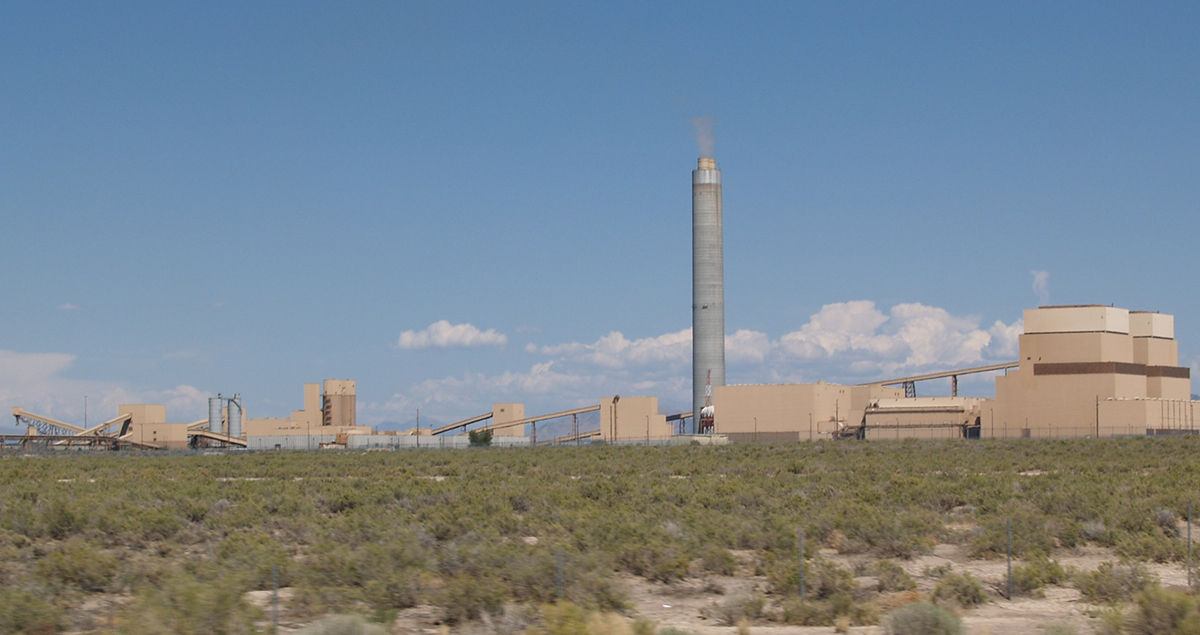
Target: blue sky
{"x": 204, "y": 197}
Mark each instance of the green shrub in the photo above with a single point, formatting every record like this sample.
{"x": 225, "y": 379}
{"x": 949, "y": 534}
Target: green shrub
{"x": 656, "y": 559}
{"x": 959, "y": 588}
{"x": 921, "y": 618}
{"x": 466, "y": 596}
{"x": 810, "y": 612}
{"x": 1160, "y": 611}
{"x": 1111, "y": 583}
{"x": 190, "y": 606}
{"x": 828, "y": 579}
{"x": 1095, "y": 531}
{"x": 892, "y": 576}
{"x": 479, "y": 438}
{"x": 596, "y": 590}
{"x": 1031, "y": 535}
{"x": 562, "y": 618}
{"x": 1154, "y": 545}
{"x": 258, "y": 556}
{"x": 718, "y": 560}
{"x": 1029, "y": 578}
{"x": 342, "y": 625}
{"x": 733, "y": 610}
{"x": 75, "y": 563}
{"x": 1167, "y": 522}
{"x": 22, "y": 612}
{"x": 801, "y": 612}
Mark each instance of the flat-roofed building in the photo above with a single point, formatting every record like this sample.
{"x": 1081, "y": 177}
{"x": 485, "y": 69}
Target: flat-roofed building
{"x": 1093, "y": 370}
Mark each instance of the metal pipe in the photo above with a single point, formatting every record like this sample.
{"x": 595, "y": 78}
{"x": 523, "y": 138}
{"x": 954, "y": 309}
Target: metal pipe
{"x": 708, "y": 283}
{"x": 235, "y": 416}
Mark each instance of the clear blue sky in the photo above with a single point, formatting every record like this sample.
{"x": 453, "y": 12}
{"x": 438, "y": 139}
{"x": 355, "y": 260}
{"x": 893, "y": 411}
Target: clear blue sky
{"x": 203, "y": 197}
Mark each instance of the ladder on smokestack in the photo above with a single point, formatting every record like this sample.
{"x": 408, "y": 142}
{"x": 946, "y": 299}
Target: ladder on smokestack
{"x": 706, "y": 413}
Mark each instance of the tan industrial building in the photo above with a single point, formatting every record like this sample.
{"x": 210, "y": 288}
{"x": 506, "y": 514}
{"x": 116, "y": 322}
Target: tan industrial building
{"x": 792, "y": 412}
{"x": 1094, "y": 371}
{"x": 924, "y": 418}
{"x": 1083, "y": 371}
{"x": 632, "y": 419}
{"x": 148, "y": 424}
{"x": 327, "y": 411}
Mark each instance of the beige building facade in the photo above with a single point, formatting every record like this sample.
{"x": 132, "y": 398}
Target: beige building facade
{"x": 504, "y": 413}
{"x": 1094, "y": 371}
{"x": 328, "y": 411}
{"x": 1083, "y": 371}
{"x": 792, "y": 412}
{"x": 925, "y": 418}
{"x": 632, "y": 419}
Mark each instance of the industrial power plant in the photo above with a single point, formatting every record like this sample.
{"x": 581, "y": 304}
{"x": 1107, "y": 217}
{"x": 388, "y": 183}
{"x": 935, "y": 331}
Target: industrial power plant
{"x": 1082, "y": 371}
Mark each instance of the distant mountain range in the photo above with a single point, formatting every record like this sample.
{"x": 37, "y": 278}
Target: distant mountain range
{"x": 426, "y": 422}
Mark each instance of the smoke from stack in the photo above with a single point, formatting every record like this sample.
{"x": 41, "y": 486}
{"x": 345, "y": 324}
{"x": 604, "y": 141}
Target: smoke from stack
{"x": 705, "y": 142}
{"x": 708, "y": 274}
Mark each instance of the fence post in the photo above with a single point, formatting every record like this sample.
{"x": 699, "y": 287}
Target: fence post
{"x": 1008, "y": 533}
{"x": 800, "y": 542}
{"x": 560, "y": 575}
{"x": 275, "y": 596}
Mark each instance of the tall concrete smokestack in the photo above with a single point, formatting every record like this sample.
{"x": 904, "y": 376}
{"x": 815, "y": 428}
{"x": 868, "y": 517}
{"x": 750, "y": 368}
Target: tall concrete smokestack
{"x": 708, "y": 285}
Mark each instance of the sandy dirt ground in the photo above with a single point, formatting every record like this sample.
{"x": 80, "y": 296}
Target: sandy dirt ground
{"x": 681, "y": 605}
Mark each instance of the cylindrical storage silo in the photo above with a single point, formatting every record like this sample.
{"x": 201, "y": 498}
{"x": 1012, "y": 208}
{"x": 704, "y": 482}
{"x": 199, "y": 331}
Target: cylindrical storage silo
{"x": 235, "y": 416}
{"x": 214, "y": 414}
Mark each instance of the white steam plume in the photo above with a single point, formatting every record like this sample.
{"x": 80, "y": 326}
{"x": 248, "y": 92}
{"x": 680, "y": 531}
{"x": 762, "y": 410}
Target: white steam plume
{"x": 705, "y": 142}
{"x": 1041, "y": 286}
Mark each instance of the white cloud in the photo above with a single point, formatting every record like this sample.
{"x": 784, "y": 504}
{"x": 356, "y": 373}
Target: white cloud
{"x": 1041, "y": 286}
{"x": 68, "y": 307}
{"x": 843, "y": 340}
{"x": 34, "y": 381}
{"x": 847, "y": 342}
{"x": 747, "y": 346}
{"x": 444, "y": 334}
{"x": 616, "y": 351}
{"x": 1005, "y": 338}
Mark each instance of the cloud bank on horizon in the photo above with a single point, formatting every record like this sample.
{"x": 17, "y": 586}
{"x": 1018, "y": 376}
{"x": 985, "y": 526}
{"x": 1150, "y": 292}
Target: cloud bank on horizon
{"x": 35, "y": 382}
{"x": 843, "y": 342}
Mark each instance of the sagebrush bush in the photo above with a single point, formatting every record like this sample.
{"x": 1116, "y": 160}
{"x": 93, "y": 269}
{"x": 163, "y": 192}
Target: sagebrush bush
{"x": 811, "y": 612}
{"x": 464, "y": 597}
{"x": 892, "y": 577}
{"x": 1111, "y": 583}
{"x": 1029, "y": 578}
{"x": 921, "y": 618}
{"x": 1095, "y": 531}
{"x": 562, "y": 618}
{"x": 1160, "y": 611}
{"x": 959, "y": 588}
{"x": 76, "y": 563}
{"x": 23, "y": 612}
{"x": 343, "y": 625}
{"x": 188, "y": 605}
{"x": 1167, "y": 522}
{"x": 732, "y": 610}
